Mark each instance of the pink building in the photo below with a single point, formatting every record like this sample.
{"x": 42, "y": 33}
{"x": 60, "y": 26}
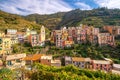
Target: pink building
{"x": 106, "y": 39}
{"x": 81, "y": 38}
{"x": 102, "y": 65}
{"x": 34, "y": 40}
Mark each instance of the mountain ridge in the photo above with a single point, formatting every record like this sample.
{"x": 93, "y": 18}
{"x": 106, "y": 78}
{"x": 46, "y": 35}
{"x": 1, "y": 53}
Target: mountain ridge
{"x": 95, "y": 17}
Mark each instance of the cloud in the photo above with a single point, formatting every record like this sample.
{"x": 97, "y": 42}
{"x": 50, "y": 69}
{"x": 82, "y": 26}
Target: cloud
{"x": 108, "y": 3}
{"x": 83, "y": 6}
{"x": 25, "y": 7}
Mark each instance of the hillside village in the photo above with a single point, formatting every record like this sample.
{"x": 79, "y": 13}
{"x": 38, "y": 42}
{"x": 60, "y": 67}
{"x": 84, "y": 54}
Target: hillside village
{"x": 65, "y": 37}
{"x": 60, "y": 40}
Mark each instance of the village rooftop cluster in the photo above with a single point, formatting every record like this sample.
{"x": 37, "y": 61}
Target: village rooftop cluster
{"x": 66, "y": 37}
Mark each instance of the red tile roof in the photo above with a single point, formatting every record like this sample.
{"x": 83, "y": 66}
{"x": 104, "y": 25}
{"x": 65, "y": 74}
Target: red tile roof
{"x": 33, "y": 57}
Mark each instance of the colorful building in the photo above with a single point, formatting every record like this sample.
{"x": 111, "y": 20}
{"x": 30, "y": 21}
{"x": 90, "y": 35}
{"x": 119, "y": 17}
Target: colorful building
{"x": 81, "y": 62}
{"x": 48, "y": 60}
{"x": 56, "y": 63}
{"x": 30, "y": 59}
{"x": 34, "y": 40}
{"x": 15, "y": 61}
{"x": 58, "y": 38}
{"x": 11, "y": 31}
{"x": 106, "y": 39}
{"x": 102, "y": 65}
{"x": 5, "y": 45}
{"x": 20, "y": 36}
{"x": 42, "y": 35}
{"x": 67, "y": 60}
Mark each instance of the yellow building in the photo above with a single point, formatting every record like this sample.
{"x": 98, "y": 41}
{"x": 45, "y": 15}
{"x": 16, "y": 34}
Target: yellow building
{"x": 69, "y": 43}
{"x": 5, "y": 45}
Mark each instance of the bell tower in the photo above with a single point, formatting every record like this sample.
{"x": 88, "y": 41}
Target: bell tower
{"x": 42, "y": 34}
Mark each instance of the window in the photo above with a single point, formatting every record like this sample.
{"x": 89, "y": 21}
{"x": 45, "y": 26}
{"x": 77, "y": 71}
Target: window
{"x": 48, "y": 60}
{"x": 9, "y": 63}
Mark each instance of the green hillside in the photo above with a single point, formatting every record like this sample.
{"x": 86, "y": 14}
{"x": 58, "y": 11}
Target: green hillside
{"x": 50, "y": 21}
{"x": 13, "y": 21}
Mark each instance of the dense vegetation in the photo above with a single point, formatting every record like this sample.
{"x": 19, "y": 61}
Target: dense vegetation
{"x": 50, "y": 21}
{"x": 96, "y": 17}
{"x": 44, "y": 72}
{"x": 70, "y": 72}
{"x": 88, "y": 50}
{"x": 6, "y": 74}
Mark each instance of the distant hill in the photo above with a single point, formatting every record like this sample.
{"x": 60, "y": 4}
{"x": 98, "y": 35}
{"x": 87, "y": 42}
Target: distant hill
{"x": 13, "y": 21}
{"x": 96, "y": 17}
{"x": 50, "y": 21}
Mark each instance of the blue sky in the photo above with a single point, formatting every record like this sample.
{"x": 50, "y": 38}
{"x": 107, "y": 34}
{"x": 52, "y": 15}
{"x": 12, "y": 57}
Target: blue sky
{"x": 26, "y": 7}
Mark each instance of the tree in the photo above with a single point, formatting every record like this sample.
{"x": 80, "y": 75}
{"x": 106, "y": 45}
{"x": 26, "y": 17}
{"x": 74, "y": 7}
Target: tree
{"x": 6, "y": 74}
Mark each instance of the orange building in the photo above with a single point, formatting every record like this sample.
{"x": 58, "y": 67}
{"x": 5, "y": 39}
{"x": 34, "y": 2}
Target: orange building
{"x": 33, "y": 59}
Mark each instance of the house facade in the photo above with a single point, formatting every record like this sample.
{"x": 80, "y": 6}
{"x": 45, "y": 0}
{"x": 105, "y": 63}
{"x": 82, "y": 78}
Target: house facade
{"x": 5, "y": 45}
{"x": 48, "y": 60}
{"x": 67, "y": 60}
{"x": 81, "y": 62}
{"x": 102, "y": 65}
{"x": 106, "y": 39}
{"x": 15, "y": 61}
{"x": 34, "y": 40}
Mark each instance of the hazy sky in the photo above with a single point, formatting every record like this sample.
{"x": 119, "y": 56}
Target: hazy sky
{"x": 25, "y": 7}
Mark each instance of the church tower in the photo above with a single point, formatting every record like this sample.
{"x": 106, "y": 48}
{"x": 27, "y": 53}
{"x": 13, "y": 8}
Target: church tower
{"x": 42, "y": 34}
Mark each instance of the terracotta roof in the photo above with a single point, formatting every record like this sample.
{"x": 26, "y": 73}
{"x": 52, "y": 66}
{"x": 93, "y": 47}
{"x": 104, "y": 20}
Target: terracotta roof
{"x": 28, "y": 58}
{"x": 36, "y": 56}
{"x": 33, "y": 57}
